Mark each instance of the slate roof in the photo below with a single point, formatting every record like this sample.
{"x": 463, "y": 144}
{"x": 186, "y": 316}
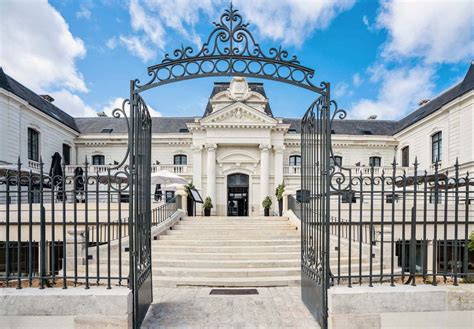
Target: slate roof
{"x": 161, "y": 125}
{"x": 222, "y": 86}
{"x": 35, "y": 100}
{"x": 352, "y": 127}
{"x": 435, "y": 104}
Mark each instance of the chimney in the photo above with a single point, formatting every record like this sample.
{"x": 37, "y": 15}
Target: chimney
{"x": 101, "y": 114}
{"x": 423, "y": 102}
{"x": 372, "y": 117}
{"x": 48, "y": 98}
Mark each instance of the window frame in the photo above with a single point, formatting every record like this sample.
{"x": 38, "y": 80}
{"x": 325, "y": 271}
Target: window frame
{"x": 67, "y": 159}
{"x": 180, "y": 162}
{"x": 297, "y": 162}
{"x": 371, "y": 161}
{"x": 98, "y": 156}
{"x": 33, "y": 153}
{"x": 437, "y": 139}
{"x": 405, "y": 155}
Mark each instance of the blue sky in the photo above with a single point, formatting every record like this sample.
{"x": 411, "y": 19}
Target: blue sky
{"x": 380, "y": 57}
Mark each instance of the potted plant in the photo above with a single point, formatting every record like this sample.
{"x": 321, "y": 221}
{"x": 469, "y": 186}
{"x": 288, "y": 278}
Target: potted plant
{"x": 207, "y": 206}
{"x": 279, "y": 195}
{"x": 266, "y": 204}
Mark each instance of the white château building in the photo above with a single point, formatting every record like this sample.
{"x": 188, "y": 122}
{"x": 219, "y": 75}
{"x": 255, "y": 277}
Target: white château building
{"x": 238, "y": 151}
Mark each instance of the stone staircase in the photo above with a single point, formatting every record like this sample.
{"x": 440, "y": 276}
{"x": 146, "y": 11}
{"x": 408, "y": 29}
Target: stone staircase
{"x": 228, "y": 252}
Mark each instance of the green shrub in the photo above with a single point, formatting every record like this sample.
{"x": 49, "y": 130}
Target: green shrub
{"x": 470, "y": 246}
{"x": 208, "y": 203}
{"x": 267, "y": 203}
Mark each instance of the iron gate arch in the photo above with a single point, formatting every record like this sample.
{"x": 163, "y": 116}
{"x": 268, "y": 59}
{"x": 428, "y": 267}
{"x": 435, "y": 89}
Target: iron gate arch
{"x": 231, "y": 50}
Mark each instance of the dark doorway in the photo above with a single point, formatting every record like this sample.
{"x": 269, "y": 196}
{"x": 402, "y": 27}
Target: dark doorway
{"x": 237, "y": 195}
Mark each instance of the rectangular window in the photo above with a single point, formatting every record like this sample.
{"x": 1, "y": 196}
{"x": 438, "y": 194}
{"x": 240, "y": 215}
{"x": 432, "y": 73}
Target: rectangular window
{"x": 66, "y": 154}
{"x": 406, "y": 156}
{"x": 436, "y": 147}
{"x": 375, "y": 161}
{"x": 33, "y": 144}
{"x": 98, "y": 160}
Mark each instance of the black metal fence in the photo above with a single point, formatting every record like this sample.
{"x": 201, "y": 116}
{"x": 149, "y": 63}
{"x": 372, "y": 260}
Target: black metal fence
{"x": 67, "y": 230}
{"x": 397, "y": 228}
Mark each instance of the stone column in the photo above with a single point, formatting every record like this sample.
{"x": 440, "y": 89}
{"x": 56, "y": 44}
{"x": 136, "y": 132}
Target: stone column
{"x": 211, "y": 174}
{"x": 264, "y": 172}
{"x": 278, "y": 164}
{"x": 197, "y": 172}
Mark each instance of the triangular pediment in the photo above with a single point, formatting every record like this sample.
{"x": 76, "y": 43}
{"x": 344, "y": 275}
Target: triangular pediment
{"x": 238, "y": 114}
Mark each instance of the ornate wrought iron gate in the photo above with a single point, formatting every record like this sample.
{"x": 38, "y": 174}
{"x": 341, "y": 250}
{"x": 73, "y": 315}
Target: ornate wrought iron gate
{"x": 315, "y": 171}
{"x": 140, "y": 206}
{"x": 230, "y": 50}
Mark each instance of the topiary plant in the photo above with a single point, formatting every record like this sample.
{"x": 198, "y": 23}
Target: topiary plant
{"x": 279, "y": 191}
{"x": 208, "y": 203}
{"x": 267, "y": 203}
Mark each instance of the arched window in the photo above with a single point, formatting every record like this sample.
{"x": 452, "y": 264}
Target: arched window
{"x": 436, "y": 147}
{"x": 180, "y": 159}
{"x": 406, "y": 156}
{"x": 336, "y": 161}
{"x": 33, "y": 144}
{"x": 375, "y": 161}
{"x": 98, "y": 159}
{"x": 295, "y": 160}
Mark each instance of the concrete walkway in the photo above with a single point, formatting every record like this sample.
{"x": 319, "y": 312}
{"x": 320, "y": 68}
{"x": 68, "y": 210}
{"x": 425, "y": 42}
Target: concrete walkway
{"x": 194, "y": 308}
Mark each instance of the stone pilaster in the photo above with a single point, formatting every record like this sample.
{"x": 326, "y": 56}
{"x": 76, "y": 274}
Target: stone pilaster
{"x": 278, "y": 150}
{"x": 211, "y": 174}
{"x": 264, "y": 172}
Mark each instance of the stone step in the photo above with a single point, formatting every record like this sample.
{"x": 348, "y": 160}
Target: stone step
{"x": 228, "y": 249}
{"x": 240, "y": 264}
{"x": 227, "y": 282}
{"x": 242, "y": 242}
{"x": 236, "y": 218}
{"x": 180, "y": 272}
{"x": 199, "y": 226}
{"x": 207, "y": 237}
{"x": 235, "y": 232}
{"x": 183, "y": 255}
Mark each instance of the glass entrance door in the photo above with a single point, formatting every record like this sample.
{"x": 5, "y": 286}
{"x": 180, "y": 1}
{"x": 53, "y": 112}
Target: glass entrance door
{"x": 237, "y": 195}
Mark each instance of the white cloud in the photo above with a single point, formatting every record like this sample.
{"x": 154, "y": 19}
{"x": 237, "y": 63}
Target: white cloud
{"x": 72, "y": 104}
{"x": 117, "y": 103}
{"x": 438, "y": 31}
{"x": 356, "y": 80}
{"x": 111, "y": 43}
{"x": 401, "y": 89}
{"x": 291, "y": 21}
{"x": 138, "y": 46}
{"x": 41, "y": 51}
{"x": 342, "y": 89}
{"x": 288, "y": 21}
{"x": 85, "y": 10}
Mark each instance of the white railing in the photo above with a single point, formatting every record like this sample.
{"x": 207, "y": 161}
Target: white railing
{"x": 292, "y": 170}
{"x": 176, "y": 169}
{"x": 355, "y": 170}
{"x": 35, "y": 165}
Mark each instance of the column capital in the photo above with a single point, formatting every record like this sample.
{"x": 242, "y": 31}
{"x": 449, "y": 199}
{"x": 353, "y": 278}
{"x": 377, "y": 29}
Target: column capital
{"x": 211, "y": 146}
{"x": 265, "y": 147}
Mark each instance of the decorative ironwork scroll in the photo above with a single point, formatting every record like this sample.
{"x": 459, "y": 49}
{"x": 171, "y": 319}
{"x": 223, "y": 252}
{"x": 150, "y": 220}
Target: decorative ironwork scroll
{"x": 230, "y": 49}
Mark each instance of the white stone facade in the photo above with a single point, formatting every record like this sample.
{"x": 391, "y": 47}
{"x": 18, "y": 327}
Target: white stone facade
{"x": 239, "y": 135}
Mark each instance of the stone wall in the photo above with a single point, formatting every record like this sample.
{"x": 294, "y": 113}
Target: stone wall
{"x": 423, "y": 306}
{"x": 96, "y": 307}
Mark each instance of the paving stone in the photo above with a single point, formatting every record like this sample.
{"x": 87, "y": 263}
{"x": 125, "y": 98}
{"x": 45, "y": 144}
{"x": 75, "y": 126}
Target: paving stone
{"x": 195, "y": 308}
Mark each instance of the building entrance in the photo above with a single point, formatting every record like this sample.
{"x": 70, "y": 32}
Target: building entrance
{"x": 237, "y": 195}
